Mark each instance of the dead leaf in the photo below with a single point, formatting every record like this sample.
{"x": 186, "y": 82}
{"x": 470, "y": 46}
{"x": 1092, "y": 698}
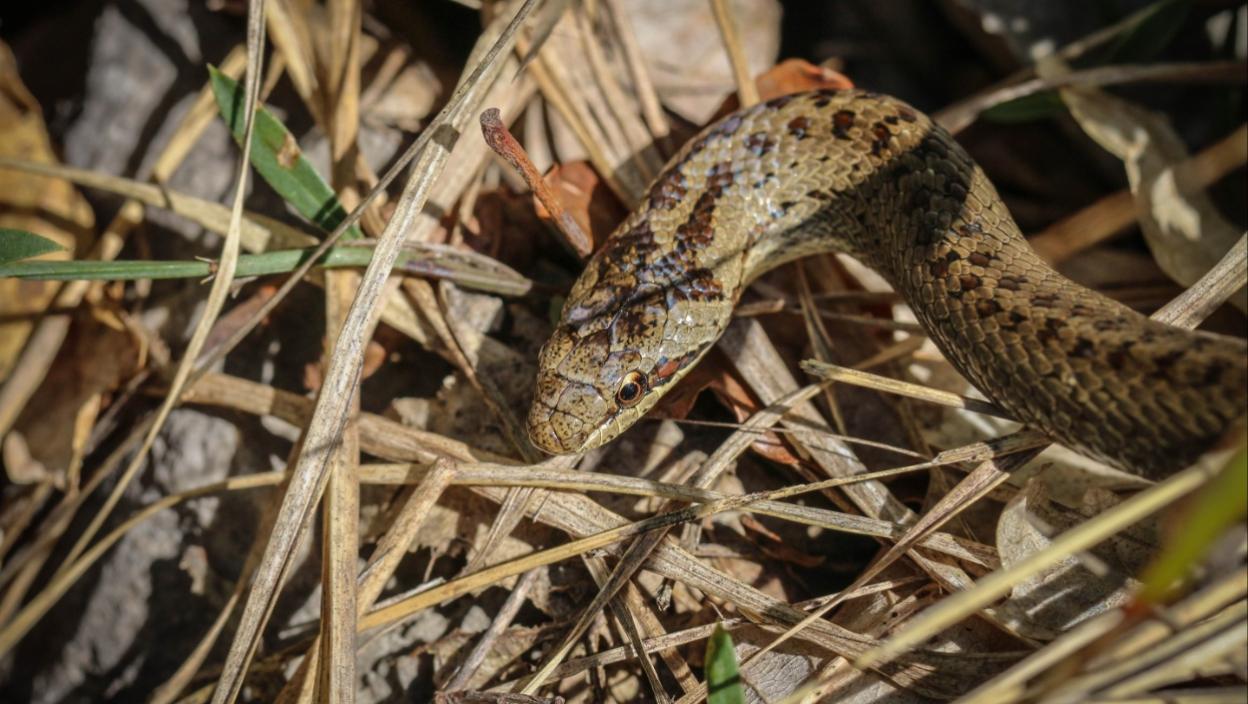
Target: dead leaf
{"x": 1183, "y": 228}
{"x": 585, "y": 197}
{"x": 791, "y": 76}
{"x": 46, "y": 206}
{"x": 50, "y": 436}
{"x": 1079, "y": 587}
{"x": 799, "y": 75}
{"x": 686, "y": 56}
{"x": 502, "y": 226}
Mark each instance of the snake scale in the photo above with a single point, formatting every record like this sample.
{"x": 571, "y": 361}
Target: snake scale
{"x": 865, "y": 174}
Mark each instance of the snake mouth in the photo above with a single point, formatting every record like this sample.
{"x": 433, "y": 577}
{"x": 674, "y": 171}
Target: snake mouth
{"x": 556, "y": 431}
{"x": 540, "y": 429}
{"x": 544, "y": 438}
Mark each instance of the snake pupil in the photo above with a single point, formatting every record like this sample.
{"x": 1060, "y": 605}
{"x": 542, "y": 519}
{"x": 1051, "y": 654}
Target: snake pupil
{"x": 630, "y": 390}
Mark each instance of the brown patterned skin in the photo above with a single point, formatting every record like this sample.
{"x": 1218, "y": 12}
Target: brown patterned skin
{"x": 866, "y": 174}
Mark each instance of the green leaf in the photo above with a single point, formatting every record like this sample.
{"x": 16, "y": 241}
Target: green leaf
{"x": 16, "y": 245}
{"x": 723, "y": 679}
{"x": 1150, "y": 34}
{"x": 466, "y": 269}
{"x": 276, "y": 156}
{"x": 1141, "y": 41}
{"x": 1221, "y": 503}
{"x": 1037, "y": 106}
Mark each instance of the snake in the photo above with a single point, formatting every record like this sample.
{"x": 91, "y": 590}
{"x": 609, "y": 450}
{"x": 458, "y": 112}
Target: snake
{"x": 865, "y": 174}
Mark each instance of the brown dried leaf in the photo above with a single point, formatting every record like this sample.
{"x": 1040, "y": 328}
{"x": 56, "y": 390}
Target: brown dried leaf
{"x": 49, "y": 207}
{"x": 798, "y": 75}
{"x": 1080, "y": 586}
{"x": 585, "y": 197}
{"x": 48, "y": 440}
{"x": 791, "y": 76}
{"x": 1183, "y": 228}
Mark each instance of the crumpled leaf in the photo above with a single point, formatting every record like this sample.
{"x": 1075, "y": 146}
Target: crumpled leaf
{"x": 585, "y": 197}
{"x": 1183, "y": 228}
{"x": 686, "y": 56}
{"x": 1079, "y": 587}
{"x": 48, "y": 441}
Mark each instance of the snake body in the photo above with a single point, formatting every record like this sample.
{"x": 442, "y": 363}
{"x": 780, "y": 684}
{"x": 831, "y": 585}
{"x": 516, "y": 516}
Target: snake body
{"x": 866, "y": 174}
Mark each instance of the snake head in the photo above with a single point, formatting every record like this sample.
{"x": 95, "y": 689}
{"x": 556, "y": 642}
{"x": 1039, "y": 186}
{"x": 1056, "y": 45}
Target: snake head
{"x": 649, "y": 304}
{"x": 577, "y": 400}
{"x": 609, "y": 362}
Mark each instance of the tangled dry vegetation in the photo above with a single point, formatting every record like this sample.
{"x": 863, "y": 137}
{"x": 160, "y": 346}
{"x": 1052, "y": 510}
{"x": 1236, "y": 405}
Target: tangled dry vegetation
{"x": 250, "y": 476}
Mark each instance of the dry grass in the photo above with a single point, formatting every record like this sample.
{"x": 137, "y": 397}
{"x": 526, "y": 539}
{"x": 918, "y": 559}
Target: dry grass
{"x": 891, "y": 624}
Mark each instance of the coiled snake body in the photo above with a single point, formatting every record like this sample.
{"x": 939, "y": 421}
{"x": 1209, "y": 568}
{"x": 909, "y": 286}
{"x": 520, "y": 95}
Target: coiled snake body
{"x": 866, "y": 174}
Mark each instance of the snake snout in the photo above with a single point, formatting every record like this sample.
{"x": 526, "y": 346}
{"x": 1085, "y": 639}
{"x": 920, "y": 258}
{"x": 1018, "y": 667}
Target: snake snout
{"x": 542, "y": 435}
{"x": 558, "y": 422}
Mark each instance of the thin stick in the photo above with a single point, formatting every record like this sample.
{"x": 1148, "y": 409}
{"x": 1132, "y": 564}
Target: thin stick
{"x": 747, "y": 92}
{"x": 1210, "y": 291}
{"x": 959, "y": 116}
{"x": 867, "y": 380}
{"x": 651, "y": 109}
{"x": 505, "y": 145}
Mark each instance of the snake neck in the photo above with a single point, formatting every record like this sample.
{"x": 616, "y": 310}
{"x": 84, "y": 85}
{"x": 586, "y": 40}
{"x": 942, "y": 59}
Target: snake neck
{"x": 1087, "y": 370}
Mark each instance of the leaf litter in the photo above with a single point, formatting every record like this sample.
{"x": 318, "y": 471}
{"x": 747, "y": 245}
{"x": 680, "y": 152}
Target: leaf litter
{"x": 1043, "y": 566}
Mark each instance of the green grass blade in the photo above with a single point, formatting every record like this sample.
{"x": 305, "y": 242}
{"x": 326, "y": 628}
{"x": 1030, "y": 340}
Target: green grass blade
{"x": 466, "y": 269}
{"x": 1037, "y": 106}
{"x": 276, "y": 156}
{"x": 113, "y": 270}
{"x": 723, "y": 679}
{"x": 1222, "y": 502}
{"x": 130, "y": 270}
{"x": 16, "y": 245}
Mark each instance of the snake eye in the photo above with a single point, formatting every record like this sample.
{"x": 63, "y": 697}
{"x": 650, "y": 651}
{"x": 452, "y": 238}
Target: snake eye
{"x": 631, "y": 389}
